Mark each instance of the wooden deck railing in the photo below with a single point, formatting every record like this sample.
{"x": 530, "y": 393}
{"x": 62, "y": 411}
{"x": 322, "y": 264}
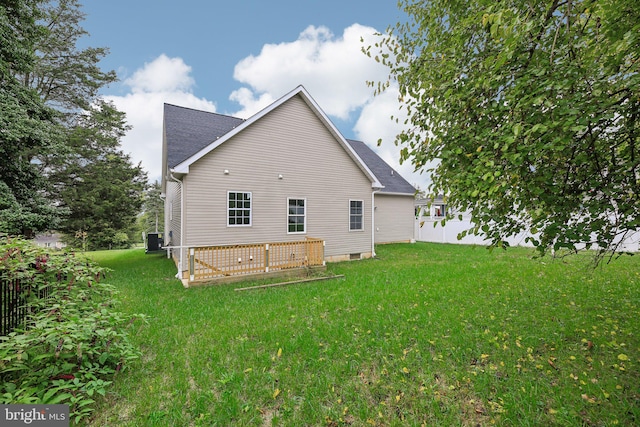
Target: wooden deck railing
{"x": 213, "y": 262}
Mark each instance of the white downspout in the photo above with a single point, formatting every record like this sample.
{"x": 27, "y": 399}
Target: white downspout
{"x": 163, "y": 197}
{"x": 179, "y": 273}
{"x": 373, "y": 222}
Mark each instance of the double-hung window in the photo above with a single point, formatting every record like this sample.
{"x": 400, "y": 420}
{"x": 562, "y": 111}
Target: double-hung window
{"x": 296, "y": 215}
{"x": 356, "y": 215}
{"x": 238, "y": 208}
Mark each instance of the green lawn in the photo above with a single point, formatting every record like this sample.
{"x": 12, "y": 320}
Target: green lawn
{"x": 426, "y": 334}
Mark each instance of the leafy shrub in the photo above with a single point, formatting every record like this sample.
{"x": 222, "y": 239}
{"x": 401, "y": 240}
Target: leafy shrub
{"x": 72, "y": 341}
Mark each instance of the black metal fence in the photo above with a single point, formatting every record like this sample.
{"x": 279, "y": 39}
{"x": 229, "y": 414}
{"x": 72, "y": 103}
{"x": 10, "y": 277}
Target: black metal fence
{"x": 12, "y": 305}
{"x": 13, "y": 302}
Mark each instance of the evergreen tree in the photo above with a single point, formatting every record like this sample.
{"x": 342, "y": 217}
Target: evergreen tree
{"x": 152, "y": 219}
{"x": 27, "y": 126}
{"x": 98, "y": 183}
{"x": 60, "y": 145}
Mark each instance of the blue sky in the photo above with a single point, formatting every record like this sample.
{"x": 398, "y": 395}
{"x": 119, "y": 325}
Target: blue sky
{"x": 236, "y": 57}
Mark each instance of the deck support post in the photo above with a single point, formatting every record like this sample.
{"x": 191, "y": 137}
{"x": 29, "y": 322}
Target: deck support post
{"x": 192, "y": 264}
{"x": 266, "y": 258}
{"x": 323, "y": 260}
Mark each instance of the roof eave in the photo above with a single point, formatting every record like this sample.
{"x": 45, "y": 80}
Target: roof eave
{"x": 390, "y": 193}
{"x": 177, "y": 174}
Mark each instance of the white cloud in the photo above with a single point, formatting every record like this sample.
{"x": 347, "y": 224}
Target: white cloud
{"x": 163, "y": 74}
{"x": 251, "y": 103}
{"x": 381, "y": 119}
{"x": 333, "y": 69}
{"x": 162, "y": 80}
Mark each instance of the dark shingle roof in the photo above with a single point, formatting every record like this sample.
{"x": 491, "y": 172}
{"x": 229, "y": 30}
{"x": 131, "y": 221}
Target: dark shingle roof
{"x": 392, "y": 181}
{"x": 189, "y": 131}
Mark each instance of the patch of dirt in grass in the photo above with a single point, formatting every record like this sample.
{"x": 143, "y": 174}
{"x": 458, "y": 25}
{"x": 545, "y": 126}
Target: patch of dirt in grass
{"x": 450, "y": 395}
{"x": 193, "y": 389}
{"x": 114, "y": 412}
{"x": 473, "y": 411}
{"x": 267, "y": 416}
{"x": 369, "y": 376}
{"x": 148, "y": 356}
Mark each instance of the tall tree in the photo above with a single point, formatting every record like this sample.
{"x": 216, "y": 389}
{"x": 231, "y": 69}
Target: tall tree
{"x": 92, "y": 177}
{"x": 98, "y": 183}
{"x": 532, "y": 110}
{"x": 152, "y": 218}
{"x": 59, "y": 131}
{"x": 66, "y": 77}
{"x": 27, "y": 126}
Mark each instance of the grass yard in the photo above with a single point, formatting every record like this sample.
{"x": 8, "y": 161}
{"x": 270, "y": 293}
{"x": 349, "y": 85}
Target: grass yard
{"x": 427, "y": 334}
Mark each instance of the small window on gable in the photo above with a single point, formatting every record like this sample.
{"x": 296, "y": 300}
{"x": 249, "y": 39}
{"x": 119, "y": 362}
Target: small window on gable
{"x": 356, "y": 215}
{"x": 238, "y": 208}
{"x": 296, "y": 215}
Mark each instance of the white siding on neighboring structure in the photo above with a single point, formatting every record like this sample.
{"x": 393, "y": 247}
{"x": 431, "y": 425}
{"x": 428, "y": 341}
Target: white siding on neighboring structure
{"x": 288, "y": 153}
{"x": 394, "y": 217}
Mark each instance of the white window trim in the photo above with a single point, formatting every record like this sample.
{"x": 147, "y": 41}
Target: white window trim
{"x": 356, "y": 230}
{"x": 305, "y": 215}
{"x": 250, "y": 208}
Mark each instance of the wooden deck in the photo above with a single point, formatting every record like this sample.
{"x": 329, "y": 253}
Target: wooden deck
{"x": 216, "y": 262}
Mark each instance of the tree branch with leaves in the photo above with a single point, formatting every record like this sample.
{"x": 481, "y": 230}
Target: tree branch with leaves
{"x": 530, "y": 110}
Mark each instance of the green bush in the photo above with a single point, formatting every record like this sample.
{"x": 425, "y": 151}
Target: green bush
{"x": 72, "y": 342}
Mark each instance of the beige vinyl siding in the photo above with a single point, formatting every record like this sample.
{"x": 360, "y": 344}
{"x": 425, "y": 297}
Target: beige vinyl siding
{"x": 290, "y": 141}
{"x": 394, "y": 217}
{"x": 172, "y": 216}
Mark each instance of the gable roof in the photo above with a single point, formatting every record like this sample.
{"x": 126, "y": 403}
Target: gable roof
{"x": 392, "y": 181}
{"x": 191, "y": 134}
{"x": 194, "y": 129}
{"x": 183, "y": 166}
